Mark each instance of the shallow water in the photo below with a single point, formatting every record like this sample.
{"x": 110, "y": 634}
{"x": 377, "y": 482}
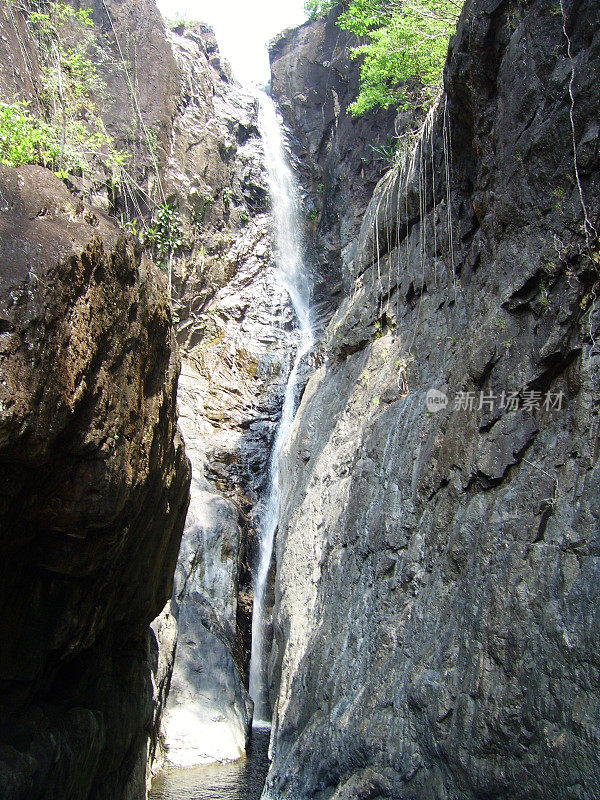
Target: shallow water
{"x": 240, "y": 780}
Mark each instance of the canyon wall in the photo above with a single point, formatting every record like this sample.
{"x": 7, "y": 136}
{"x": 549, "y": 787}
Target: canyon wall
{"x": 338, "y": 159}
{"x": 84, "y": 718}
{"x": 436, "y": 616}
{"x": 94, "y": 493}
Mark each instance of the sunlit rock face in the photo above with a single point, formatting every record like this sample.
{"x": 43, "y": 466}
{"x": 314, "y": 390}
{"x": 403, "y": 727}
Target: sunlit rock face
{"x": 436, "y": 615}
{"x": 234, "y": 326}
{"x": 209, "y": 711}
{"x": 94, "y": 493}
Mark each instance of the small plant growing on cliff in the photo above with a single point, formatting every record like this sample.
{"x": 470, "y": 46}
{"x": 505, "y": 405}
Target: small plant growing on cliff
{"x": 544, "y": 296}
{"x": 385, "y": 153}
{"x": 227, "y": 197}
{"x": 319, "y": 8}
{"x": 177, "y": 21}
{"x": 164, "y": 236}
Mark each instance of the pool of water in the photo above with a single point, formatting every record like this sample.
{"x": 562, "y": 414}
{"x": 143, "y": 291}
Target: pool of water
{"x": 240, "y": 780}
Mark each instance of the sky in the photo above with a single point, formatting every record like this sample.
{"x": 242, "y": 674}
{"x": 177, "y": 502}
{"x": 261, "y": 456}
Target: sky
{"x": 243, "y": 28}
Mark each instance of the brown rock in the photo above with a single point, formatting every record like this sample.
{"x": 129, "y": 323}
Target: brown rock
{"x": 93, "y": 489}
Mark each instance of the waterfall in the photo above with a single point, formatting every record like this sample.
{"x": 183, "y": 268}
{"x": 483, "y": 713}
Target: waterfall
{"x": 288, "y": 248}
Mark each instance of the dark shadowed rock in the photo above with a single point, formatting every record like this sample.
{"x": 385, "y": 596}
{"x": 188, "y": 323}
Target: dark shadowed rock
{"x": 437, "y": 627}
{"x": 339, "y": 159}
{"x": 94, "y": 490}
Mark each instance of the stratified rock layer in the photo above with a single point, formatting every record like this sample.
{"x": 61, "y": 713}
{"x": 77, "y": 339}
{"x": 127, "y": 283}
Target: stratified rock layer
{"x": 94, "y": 494}
{"x": 438, "y": 578}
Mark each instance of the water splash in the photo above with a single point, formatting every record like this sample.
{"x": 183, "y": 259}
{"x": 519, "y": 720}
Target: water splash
{"x": 289, "y": 256}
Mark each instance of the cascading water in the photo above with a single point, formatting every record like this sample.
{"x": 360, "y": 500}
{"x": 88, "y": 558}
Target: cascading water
{"x": 284, "y": 199}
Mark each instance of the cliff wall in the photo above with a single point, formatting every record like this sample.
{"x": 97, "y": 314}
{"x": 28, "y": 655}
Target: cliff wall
{"x": 338, "y": 159}
{"x": 436, "y": 617}
{"x": 94, "y": 493}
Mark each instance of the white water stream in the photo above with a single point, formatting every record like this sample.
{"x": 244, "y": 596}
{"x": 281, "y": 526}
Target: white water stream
{"x": 288, "y": 248}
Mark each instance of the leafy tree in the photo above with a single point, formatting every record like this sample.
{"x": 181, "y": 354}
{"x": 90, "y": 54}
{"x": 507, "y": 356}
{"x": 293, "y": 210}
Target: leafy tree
{"x": 403, "y": 44}
{"x": 319, "y": 8}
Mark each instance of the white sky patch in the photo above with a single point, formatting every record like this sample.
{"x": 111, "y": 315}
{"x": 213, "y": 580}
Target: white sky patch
{"x": 243, "y": 28}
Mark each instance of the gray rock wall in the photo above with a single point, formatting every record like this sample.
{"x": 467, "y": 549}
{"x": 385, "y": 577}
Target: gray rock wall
{"x": 338, "y": 158}
{"x": 436, "y": 611}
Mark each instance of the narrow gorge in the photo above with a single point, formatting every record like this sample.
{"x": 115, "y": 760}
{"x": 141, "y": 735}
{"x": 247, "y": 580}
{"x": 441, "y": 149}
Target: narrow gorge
{"x": 299, "y": 410}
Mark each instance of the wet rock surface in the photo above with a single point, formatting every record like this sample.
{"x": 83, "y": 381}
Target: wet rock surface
{"x": 339, "y": 159}
{"x": 234, "y": 327}
{"x": 436, "y": 612}
{"x": 94, "y": 493}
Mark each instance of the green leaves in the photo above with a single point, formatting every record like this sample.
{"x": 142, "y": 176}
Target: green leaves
{"x": 25, "y": 139}
{"x": 66, "y": 134}
{"x": 403, "y": 48}
{"x": 165, "y": 234}
{"x": 19, "y": 136}
{"x": 319, "y": 8}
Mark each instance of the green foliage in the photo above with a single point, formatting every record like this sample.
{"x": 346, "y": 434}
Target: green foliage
{"x": 24, "y": 139}
{"x": 379, "y": 329}
{"x": 319, "y": 8}
{"x": 181, "y": 19}
{"x": 385, "y": 152}
{"x": 176, "y": 21}
{"x": 544, "y": 296}
{"x": 403, "y": 47}
{"x": 131, "y": 226}
{"x": 164, "y": 236}
{"x": 66, "y": 134}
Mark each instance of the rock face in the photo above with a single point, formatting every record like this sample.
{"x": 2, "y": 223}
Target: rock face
{"x": 233, "y": 324}
{"x": 133, "y": 35}
{"x": 438, "y": 582}
{"x": 339, "y": 159}
{"x": 209, "y": 712}
{"x": 192, "y": 141}
{"x": 94, "y": 493}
